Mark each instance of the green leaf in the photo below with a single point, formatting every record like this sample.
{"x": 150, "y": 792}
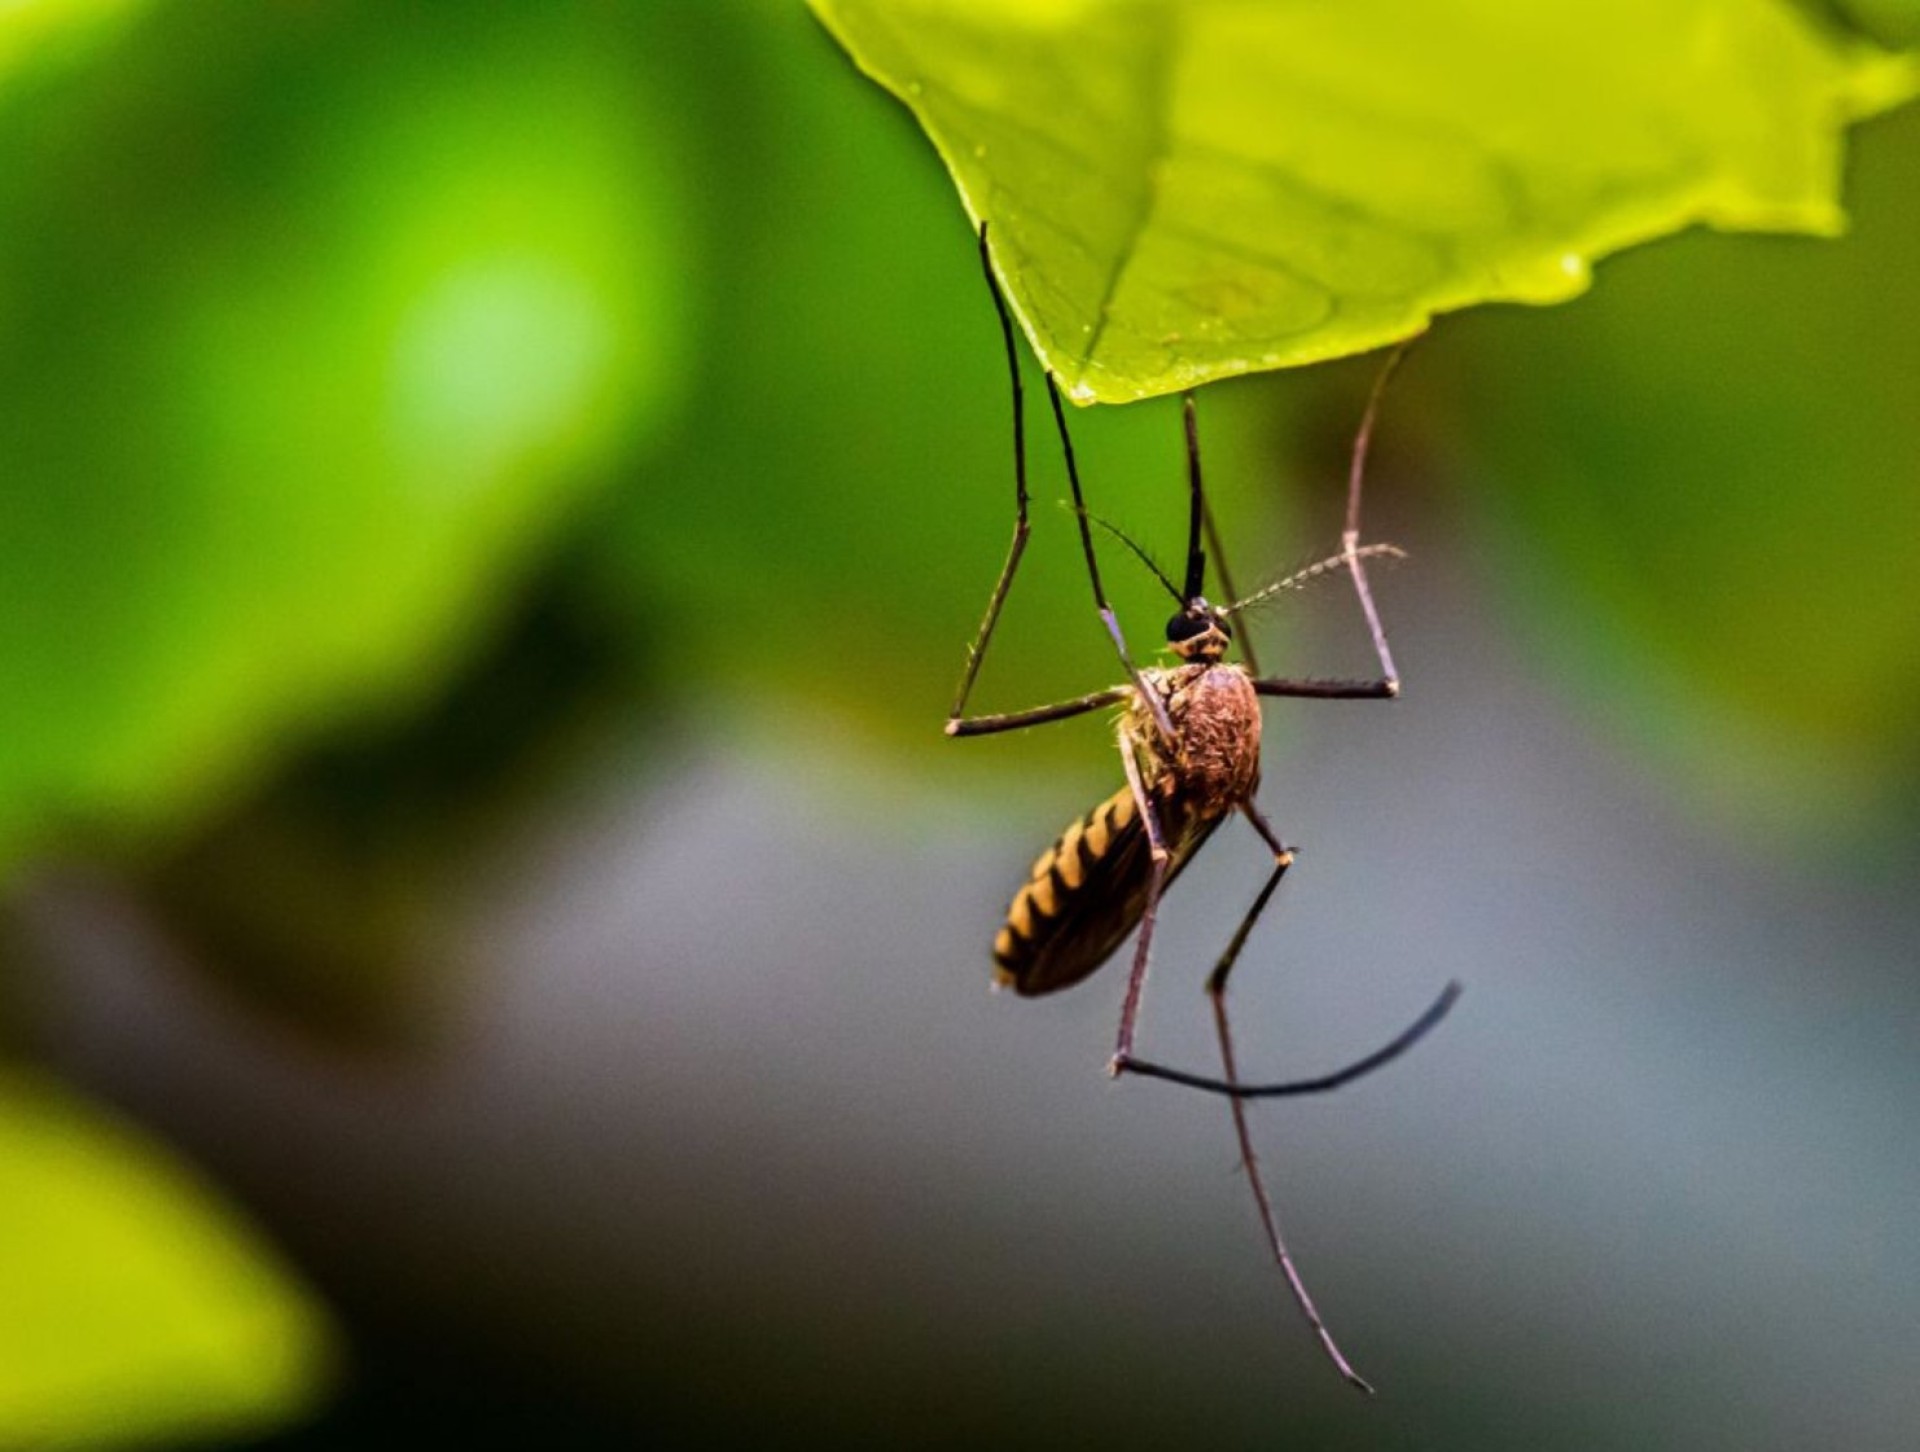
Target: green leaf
{"x": 315, "y": 326}
{"x": 135, "y": 1307}
{"x": 1184, "y": 190}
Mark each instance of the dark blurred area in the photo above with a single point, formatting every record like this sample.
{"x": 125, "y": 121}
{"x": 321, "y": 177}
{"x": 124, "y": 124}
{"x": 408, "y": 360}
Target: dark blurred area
{"x": 495, "y": 501}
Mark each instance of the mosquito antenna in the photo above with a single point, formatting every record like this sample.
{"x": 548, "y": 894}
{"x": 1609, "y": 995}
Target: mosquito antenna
{"x": 1319, "y": 569}
{"x": 1139, "y": 553}
{"x": 1196, "y": 521}
{"x": 1350, "y": 539}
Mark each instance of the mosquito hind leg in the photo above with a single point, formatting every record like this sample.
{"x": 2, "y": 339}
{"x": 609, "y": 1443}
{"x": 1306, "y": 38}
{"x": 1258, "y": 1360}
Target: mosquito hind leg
{"x": 1230, "y": 1086}
{"x": 1263, "y": 1202}
{"x": 1353, "y": 555}
{"x": 1123, "y": 1060}
{"x": 1350, "y": 536}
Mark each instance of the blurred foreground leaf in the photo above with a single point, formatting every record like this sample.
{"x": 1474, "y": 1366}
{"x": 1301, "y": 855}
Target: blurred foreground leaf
{"x": 1893, "y": 22}
{"x": 1183, "y": 190}
{"x": 329, "y": 898}
{"x": 315, "y": 323}
{"x": 134, "y": 1307}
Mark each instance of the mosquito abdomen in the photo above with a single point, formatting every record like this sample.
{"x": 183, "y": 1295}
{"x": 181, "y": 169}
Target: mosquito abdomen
{"x": 1054, "y": 894}
{"x": 1087, "y": 892}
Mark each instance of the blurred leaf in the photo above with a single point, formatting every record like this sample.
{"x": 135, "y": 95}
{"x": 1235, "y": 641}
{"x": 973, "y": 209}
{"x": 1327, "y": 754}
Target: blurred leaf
{"x": 1892, "y": 22}
{"x": 1699, "y": 484}
{"x": 328, "y": 897}
{"x": 135, "y": 1307}
{"x": 314, "y": 324}
{"x": 1183, "y": 190}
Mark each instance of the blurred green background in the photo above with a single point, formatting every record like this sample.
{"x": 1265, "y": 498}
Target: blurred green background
{"x": 492, "y": 503}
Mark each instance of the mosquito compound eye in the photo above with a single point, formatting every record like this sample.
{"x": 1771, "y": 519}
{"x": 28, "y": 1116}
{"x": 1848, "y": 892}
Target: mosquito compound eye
{"x": 1184, "y": 627}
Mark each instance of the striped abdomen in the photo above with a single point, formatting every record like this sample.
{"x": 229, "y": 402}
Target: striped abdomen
{"x": 1087, "y": 892}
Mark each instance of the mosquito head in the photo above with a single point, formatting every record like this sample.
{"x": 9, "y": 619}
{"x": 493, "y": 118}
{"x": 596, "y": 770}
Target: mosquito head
{"x": 1199, "y": 633}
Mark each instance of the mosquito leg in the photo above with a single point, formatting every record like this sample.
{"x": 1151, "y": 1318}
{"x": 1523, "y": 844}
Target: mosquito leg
{"x": 1269, "y": 1222}
{"x": 1320, "y": 1083}
{"x": 1143, "y": 945}
{"x": 1130, "y": 763}
{"x": 1353, "y": 556}
{"x": 1230, "y": 1086}
{"x": 1282, "y": 860}
{"x": 1155, "y": 706}
{"x": 1196, "y": 585}
{"x": 1203, "y": 520}
{"x": 976, "y": 652}
{"x": 1321, "y": 690}
{"x": 1350, "y": 537}
{"x": 1038, "y": 715}
{"x": 1263, "y": 1202}
{"x": 1217, "y": 981}
{"x": 1244, "y": 634}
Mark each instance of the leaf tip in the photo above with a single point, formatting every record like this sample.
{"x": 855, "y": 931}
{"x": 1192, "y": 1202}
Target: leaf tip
{"x": 1880, "y": 82}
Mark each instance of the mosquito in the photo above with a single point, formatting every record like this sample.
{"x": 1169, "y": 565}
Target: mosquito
{"x": 1189, "y": 739}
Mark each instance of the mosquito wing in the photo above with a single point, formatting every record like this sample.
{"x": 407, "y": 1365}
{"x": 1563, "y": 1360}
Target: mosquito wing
{"x": 1087, "y": 892}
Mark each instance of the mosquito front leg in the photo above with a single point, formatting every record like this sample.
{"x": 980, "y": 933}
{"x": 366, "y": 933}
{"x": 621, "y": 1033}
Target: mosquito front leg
{"x": 1038, "y": 715}
{"x": 976, "y": 652}
{"x": 1350, "y": 536}
{"x": 958, "y": 722}
{"x": 1155, "y": 706}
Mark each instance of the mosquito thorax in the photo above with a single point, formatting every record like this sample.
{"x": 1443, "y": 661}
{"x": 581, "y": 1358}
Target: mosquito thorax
{"x": 1198, "y": 633}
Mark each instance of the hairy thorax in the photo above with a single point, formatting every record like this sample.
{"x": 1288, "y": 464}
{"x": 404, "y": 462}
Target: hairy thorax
{"x": 1214, "y": 758}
